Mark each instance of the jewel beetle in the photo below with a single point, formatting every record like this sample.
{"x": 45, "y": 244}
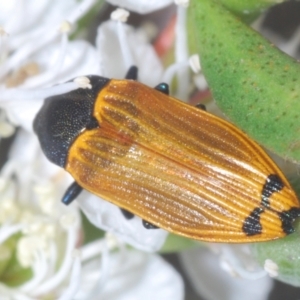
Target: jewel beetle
{"x": 176, "y": 166}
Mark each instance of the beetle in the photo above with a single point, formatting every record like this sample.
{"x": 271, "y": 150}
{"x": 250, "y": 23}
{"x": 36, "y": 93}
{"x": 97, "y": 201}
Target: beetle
{"x": 174, "y": 165}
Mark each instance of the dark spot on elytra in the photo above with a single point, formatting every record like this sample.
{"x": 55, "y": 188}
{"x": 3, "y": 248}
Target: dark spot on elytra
{"x": 251, "y": 225}
{"x": 287, "y": 218}
{"x": 272, "y": 185}
{"x": 149, "y": 225}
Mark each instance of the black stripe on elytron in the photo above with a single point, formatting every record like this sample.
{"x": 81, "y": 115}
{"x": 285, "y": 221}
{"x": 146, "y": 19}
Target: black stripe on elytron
{"x": 272, "y": 185}
{"x": 287, "y": 218}
{"x": 251, "y": 225}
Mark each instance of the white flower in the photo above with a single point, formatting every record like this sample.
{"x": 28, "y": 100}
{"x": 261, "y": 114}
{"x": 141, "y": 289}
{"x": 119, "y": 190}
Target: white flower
{"x": 35, "y": 53}
{"x": 141, "y": 6}
{"x": 120, "y": 46}
{"x": 228, "y": 274}
{"x": 34, "y": 225}
{"x": 127, "y": 274}
{"x": 109, "y": 218}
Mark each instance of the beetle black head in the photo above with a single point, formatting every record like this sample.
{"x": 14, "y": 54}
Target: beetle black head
{"x": 63, "y": 117}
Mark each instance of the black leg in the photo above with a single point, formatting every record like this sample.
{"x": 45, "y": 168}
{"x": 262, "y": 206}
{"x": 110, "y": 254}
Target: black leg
{"x": 71, "y": 193}
{"x": 148, "y": 225}
{"x": 163, "y": 87}
{"x": 92, "y": 124}
{"x": 132, "y": 73}
{"x": 201, "y": 106}
{"x": 127, "y": 214}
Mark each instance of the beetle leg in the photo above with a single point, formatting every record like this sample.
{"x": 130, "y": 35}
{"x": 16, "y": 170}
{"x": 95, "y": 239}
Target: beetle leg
{"x": 92, "y": 124}
{"x": 163, "y": 87}
{"x": 71, "y": 193}
{"x": 132, "y": 73}
{"x": 127, "y": 214}
{"x": 149, "y": 225}
{"x": 201, "y": 106}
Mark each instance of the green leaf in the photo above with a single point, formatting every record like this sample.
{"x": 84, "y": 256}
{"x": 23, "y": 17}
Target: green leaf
{"x": 285, "y": 254}
{"x": 248, "y": 9}
{"x": 253, "y": 83}
{"x": 91, "y": 232}
{"x": 84, "y": 23}
{"x": 176, "y": 243}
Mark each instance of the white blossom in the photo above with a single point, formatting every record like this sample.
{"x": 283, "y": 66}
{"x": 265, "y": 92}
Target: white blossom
{"x": 141, "y": 6}
{"x": 228, "y": 274}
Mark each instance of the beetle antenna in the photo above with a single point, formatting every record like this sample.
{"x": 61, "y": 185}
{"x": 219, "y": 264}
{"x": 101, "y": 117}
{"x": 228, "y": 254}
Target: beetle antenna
{"x": 200, "y": 106}
{"x": 71, "y": 193}
{"x": 163, "y": 87}
{"x": 132, "y": 73}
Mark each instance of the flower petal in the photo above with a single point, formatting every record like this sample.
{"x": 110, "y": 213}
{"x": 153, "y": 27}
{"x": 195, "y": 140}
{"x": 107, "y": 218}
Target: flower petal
{"x": 108, "y": 217}
{"x": 132, "y": 276}
{"x": 112, "y": 59}
{"x": 213, "y": 283}
{"x": 79, "y": 60}
{"x": 141, "y": 6}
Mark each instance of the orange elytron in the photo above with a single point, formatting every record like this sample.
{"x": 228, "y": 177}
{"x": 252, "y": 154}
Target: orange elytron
{"x": 174, "y": 165}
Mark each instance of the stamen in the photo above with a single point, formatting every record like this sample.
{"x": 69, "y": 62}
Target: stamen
{"x": 83, "y": 82}
{"x": 46, "y": 198}
{"x": 4, "y": 50}
{"x": 27, "y": 249}
{"x": 18, "y": 296}
{"x": 183, "y": 3}
{"x": 37, "y": 94}
{"x": 68, "y": 222}
{"x": 6, "y": 231}
{"x": 8, "y": 170}
{"x": 181, "y": 54}
{"x": 3, "y": 33}
{"x": 194, "y": 62}
{"x": 171, "y": 71}
{"x": 112, "y": 241}
{"x": 75, "y": 279}
{"x": 9, "y": 210}
{"x": 6, "y": 129}
{"x": 104, "y": 271}
{"x": 92, "y": 249}
{"x": 21, "y": 55}
{"x": 65, "y": 27}
{"x": 41, "y": 38}
{"x": 120, "y": 15}
{"x": 200, "y": 82}
{"x": 55, "y": 69}
{"x": 271, "y": 268}
{"x": 40, "y": 270}
{"x": 80, "y": 10}
{"x": 234, "y": 266}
